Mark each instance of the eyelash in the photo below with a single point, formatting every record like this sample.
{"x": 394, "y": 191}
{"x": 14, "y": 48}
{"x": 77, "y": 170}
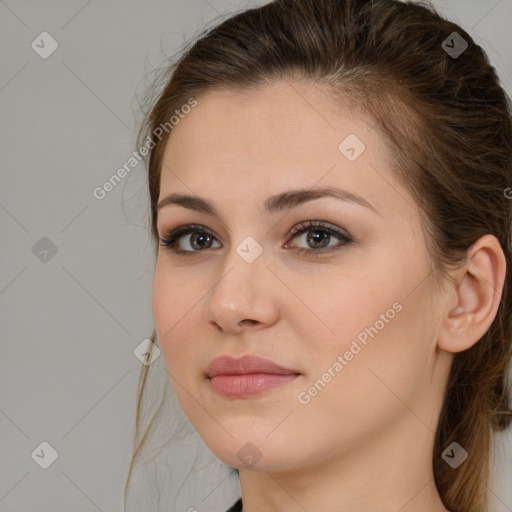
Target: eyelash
{"x": 170, "y": 239}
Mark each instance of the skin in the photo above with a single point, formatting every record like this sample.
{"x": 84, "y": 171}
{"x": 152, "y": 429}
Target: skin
{"x": 364, "y": 442}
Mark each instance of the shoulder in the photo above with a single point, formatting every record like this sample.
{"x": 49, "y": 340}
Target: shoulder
{"x": 237, "y": 507}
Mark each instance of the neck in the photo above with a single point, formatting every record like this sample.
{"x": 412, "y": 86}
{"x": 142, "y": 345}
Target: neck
{"x": 392, "y": 472}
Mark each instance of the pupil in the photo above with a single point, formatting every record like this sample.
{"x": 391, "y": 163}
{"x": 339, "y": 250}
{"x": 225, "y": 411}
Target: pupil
{"x": 199, "y": 236}
{"x": 318, "y": 237}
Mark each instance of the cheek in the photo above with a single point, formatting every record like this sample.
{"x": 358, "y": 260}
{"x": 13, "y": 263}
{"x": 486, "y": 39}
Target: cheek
{"x": 346, "y": 309}
{"x": 365, "y": 390}
{"x": 173, "y": 296}
{"x": 373, "y": 322}
{"x": 173, "y": 304}
{"x": 385, "y": 341}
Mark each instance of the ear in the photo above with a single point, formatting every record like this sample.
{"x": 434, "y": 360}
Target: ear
{"x": 473, "y": 301}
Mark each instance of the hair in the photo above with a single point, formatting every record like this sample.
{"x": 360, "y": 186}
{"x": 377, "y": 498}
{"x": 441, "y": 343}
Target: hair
{"x": 448, "y": 121}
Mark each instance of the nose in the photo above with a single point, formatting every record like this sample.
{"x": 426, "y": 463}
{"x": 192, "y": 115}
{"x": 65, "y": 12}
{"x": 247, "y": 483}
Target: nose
{"x": 244, "y": 296}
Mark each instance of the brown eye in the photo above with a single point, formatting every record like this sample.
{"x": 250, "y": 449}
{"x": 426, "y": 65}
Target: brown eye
{"x": 199, "y": 240}
{"x": 319, "y": 235}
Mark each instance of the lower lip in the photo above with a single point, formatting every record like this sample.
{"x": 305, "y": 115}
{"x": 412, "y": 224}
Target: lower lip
{"x": 250, "y": 384}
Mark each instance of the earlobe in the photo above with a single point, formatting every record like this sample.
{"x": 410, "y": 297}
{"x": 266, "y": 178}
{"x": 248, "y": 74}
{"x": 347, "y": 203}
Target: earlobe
{"x": 476, "y": 295}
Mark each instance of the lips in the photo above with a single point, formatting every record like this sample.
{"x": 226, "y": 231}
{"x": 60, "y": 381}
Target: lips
{"x": 228, "y": 365}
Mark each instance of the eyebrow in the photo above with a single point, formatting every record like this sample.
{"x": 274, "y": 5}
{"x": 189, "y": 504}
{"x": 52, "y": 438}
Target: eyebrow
{"x": 277, "y": 203}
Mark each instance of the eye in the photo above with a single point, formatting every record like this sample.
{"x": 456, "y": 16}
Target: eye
{"x": 200, "y": 240}
{"x": 319, "y": 236}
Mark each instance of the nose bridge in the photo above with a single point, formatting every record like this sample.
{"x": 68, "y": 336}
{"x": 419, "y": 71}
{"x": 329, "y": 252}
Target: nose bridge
{"x": 242, "y": 291}
{"x": 244, "y": 266}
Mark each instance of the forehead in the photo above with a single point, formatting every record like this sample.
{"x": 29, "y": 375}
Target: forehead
{"x": 281, "y": 114}
{"x": 275, "y": 137}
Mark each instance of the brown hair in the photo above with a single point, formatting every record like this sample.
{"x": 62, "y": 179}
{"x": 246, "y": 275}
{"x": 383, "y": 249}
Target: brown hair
{"x": 449, "y": 123}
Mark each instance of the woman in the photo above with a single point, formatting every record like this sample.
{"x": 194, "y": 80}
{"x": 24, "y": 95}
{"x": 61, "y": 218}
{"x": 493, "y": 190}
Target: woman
{"x": 332, "y": 290}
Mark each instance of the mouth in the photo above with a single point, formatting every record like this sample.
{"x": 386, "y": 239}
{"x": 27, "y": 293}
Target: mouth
{"x": 229, "y": 365}
{"x": 249, "y": 384}
{"x": 247, "y": 376}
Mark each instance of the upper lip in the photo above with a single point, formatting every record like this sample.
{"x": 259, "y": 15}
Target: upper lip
{"x": 228, "y": 365}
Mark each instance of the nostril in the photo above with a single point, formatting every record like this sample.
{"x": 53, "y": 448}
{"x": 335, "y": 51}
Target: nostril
{"x": 216, "y": 325}
{"x": 248, "y": 321}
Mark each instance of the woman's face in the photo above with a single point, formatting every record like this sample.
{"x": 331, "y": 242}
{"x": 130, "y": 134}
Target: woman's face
{"x": 356, "y": 320}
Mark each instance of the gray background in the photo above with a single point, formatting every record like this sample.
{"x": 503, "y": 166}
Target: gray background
{"x": 71, "y": 321}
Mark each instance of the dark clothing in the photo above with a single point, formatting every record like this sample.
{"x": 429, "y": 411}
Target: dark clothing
{"x": 237, "y": 507}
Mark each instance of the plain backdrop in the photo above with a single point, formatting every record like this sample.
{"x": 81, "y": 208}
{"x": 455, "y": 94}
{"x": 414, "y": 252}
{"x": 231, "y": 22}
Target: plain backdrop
{"x": 76, "y": 271}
